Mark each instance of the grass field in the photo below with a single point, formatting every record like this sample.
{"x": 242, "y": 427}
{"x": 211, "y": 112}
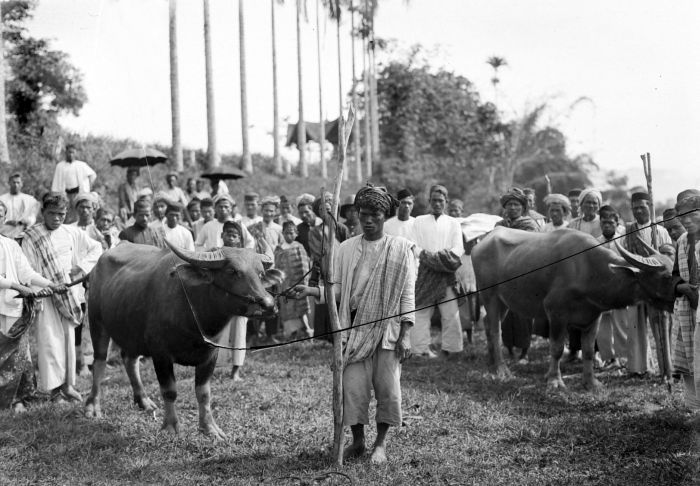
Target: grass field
{"x": 461, "y": 427}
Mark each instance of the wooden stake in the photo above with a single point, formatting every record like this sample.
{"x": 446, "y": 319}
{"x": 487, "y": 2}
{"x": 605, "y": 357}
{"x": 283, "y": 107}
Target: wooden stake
{"x": 344, "y": 130}
{"x": 646, "y": 163}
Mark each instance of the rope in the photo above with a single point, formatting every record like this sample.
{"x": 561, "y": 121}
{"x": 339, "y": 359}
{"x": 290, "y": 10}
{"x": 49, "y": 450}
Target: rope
{"x": 293, "y": 341}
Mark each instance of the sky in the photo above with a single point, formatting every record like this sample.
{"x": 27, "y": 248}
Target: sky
{"x": 620, "y": 78}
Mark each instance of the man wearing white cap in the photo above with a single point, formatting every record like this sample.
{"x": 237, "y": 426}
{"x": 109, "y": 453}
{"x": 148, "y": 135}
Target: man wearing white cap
{"x": 558, "y": 210}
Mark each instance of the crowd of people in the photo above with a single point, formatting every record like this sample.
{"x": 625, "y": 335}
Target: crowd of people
{"x": 376, "y": 277}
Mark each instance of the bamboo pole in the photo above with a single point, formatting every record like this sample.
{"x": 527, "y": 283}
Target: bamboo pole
{"x": 646, "y": 163}
{"x": 344, "y": 130}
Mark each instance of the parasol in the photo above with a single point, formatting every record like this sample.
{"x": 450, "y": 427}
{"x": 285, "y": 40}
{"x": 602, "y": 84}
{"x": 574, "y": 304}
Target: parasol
{"x": 138, "y": 158}
{"x": 224, "y": 174}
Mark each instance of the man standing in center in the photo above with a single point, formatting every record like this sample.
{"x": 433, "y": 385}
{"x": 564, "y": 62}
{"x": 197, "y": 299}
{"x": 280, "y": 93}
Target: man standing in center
{"x": 62, "y": 253}
{"x": 439, "y": 241}
{"x": 375, "y": 275}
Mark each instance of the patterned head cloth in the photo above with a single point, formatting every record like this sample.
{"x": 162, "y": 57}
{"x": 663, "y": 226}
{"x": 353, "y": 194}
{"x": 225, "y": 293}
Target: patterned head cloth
{"x": 514, "y": 194}
{"x": 687, "y": 193}
{"x": 376, "y": 198}
{"x": 274, "y": 200}
{"x": 558, "y": 199}
{"x": 90, "y": 197}
{"x": 591, "y": 193}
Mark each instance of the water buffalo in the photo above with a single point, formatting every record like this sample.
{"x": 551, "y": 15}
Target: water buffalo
{"x": 585, "y": 281}
{"x": 137, "y": 298}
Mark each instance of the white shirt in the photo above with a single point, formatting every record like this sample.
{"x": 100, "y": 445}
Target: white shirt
{"x": 69, "y": 175}
{"x": 246, "y": 221}
{"x": 176, "y": 194}
{"x": 210, "y": 236}
{"x": 20, "y": 207}
{"x": 394, "y": 226}
{"x": 179, "y": 236}
{"x": 14, "y": 268}
{"x": 437, "y": 234}
{"x": 549, "y": 227}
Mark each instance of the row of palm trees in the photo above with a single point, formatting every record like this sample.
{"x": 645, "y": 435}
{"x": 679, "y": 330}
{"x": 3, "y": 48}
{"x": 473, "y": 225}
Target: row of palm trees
{"x": 362, "y": 13}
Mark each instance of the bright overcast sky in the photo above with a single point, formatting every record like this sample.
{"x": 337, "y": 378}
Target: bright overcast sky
{"x": 635, "y": 60}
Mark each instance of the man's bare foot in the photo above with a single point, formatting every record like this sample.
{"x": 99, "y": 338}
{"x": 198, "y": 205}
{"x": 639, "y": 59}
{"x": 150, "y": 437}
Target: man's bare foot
{"x": 70, "y": 393}
{"x": 19, "y": 407}
{"x": 378, "y": 455}
{"x": 236, "y": 373}
{"x": 354, "y": 450}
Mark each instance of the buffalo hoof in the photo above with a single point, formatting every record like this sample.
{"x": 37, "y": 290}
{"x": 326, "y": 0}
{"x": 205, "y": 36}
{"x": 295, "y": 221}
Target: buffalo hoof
{"x": 169, "y": 428}
{"x": 502, "y": 372}
{"x": 555, "y": 384}
{"x": 145, "y": 404}
{"x": 213, "y": 431}
{"x": 92, "y": 410}
{"x": 593, "y": 386}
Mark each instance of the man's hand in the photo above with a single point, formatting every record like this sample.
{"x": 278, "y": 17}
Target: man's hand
{"x": 45, "y": 292}
{"x": 403, "y": 346}
{"x": 124, "y": 214}
{"x": 302, "y": 291}
{"x": 690, "y": 291}
{"x": 58, "y": 288}
{"x": 23, "y": 291}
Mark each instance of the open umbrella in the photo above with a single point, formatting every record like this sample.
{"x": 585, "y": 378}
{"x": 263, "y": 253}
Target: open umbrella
{"x": 224, "y": 174}
{"x": 140, "y": 157}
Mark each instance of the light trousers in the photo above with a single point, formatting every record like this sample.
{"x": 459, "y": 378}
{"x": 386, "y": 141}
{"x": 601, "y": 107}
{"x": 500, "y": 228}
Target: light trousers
{"x": 55, "y": 348}
{"x": 612, "y": 334}
{"x": 234, "y": 335}
{"x": 451, "y": 326}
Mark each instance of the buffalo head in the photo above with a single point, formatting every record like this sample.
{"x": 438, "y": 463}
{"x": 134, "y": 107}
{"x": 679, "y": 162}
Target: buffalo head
{"x": 243, "y": 274}
{"x": 653, "y": 273}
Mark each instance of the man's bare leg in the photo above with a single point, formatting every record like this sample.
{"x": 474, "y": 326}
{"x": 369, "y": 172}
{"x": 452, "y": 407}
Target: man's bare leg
{"x": 236, "y": 373}
{"x": 379, "y": 453}
{"x": 357, "y": 448}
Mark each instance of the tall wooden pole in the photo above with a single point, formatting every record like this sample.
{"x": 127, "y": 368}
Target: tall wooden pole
{"x": 4, "y": 149}
{"x": 340, "y": 92}
{"x": 213, "y": 157}
{"x": 344, "y": 130}
{"x": 322, "y": 141}
{"x": 275, "y": 102}
{"x": 179, "y": 164}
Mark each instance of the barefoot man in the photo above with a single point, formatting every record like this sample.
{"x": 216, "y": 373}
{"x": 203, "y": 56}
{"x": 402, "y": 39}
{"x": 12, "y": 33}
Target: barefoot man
{"x": 376, "y": 277}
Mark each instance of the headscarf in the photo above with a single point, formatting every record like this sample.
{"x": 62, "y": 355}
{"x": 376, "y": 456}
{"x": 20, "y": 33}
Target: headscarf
{"x": 224, "y": 197}
{"x": 85, "y": 196}
{"x": 687, "y": 193}
{"x": 316, "y": 206}
{"x": 591, "y": 192}
{"x": 517, "y": 194}
{"x": 376, "y": 198}
{"x": 274, "y": 200}
{"x": 558, "y": 199}
{"x": 305, "y": 198}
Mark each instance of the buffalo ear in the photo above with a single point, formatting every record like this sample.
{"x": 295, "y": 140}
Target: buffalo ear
{"x": 272, "y": 277}
{"x": 615, "y": 267}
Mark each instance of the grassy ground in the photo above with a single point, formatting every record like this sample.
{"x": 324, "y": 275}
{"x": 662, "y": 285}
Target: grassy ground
{"x": 461, "y": 427}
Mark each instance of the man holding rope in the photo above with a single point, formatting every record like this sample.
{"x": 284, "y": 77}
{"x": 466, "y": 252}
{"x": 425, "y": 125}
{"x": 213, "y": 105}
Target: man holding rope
{"x": 376, "y": 277}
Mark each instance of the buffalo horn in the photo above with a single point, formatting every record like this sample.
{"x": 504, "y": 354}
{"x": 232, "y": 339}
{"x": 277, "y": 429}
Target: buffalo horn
{"x": 201, "y": 259}
{"x": 650, "y": 264}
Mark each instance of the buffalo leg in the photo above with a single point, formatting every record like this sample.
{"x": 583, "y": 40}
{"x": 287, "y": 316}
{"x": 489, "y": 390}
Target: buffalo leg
{"x": 494, "y": 314}
{"x": 588, "y": 336}
{"x": 557, "y": 340}
{"x": 100, "y": 344}
{"x": 202, "y": 389}
{"x": 131, "y": 364}
{"x": 168, "y": 389}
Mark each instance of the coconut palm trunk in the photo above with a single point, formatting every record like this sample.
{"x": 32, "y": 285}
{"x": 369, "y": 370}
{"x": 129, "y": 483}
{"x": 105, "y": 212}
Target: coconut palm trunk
{"x": 346, "y": 175}
{"x": 374, "y": 111}
{"x": 353, "y": 94}
{"x": 367, "y": 123}
{"x": 322, "y": 141}
{"x": 275, "y": 101}
{"x": 4, "y": 150}
{"x": 301, "y": 126}
{"x": 213, "y": 157}
{"x": 246, "y": 159}
{"x": 174, "y": 91}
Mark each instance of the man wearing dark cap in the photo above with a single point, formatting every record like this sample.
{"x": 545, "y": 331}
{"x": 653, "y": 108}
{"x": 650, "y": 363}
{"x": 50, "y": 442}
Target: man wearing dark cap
{"x": 402, "y": 223}
{"x": 439, "y": 241}
{"x": 574, "y": 201}
{"x": 640, "y": 314}
{"x": 686, "y": 353}
{"x": 673, "y": 224}
{"x": 375, "y": 275}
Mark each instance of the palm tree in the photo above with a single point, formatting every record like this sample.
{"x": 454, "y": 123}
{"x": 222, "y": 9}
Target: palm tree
{"x": 4, "y": 150}
{"x": 213, "y": 158}
{"x": 275, "y": 101}
{"x": 301, "y": 126}
{"x": 175, "y": 90}
{"x": 324, "y": 169}
{"x": 353, "y": 95}
{"x": 247, "y": 161}
{"x": 496, "y": 62}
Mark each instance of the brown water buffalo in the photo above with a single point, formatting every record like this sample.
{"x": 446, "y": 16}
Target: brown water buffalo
{"x": 513, "y": 272}
{"x": 137, "y": 297}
